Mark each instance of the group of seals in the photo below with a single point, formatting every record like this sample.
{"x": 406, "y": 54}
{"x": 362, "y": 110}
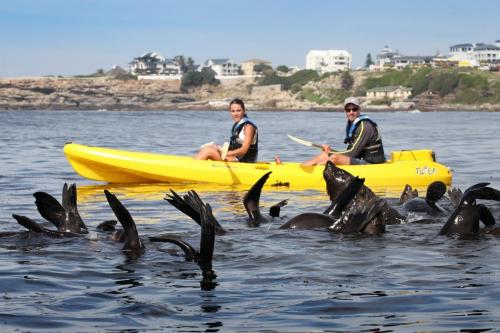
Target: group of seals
{"x": 354, "y": 208}
{"x": 67, "y": 220}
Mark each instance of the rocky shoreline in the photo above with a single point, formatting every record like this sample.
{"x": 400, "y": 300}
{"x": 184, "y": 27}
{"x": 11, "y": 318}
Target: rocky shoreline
{"x": 103, "y": 93}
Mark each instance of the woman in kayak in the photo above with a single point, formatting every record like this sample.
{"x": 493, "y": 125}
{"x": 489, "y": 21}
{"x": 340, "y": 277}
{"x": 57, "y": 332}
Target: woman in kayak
{"x": 244, "y": 141}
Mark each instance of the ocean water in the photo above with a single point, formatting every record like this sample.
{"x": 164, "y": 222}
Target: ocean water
{"x": 407, "y": 280}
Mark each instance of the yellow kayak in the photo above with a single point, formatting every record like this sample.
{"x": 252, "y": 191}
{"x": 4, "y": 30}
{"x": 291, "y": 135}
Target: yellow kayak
{"x": 415, "y": 167}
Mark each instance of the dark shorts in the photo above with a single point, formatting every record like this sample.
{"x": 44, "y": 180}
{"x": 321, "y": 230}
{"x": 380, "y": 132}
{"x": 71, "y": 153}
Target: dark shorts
{"x": 357, "y": 161}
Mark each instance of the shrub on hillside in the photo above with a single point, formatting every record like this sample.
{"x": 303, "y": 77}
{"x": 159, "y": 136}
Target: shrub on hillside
{"x": 192, "y": 79}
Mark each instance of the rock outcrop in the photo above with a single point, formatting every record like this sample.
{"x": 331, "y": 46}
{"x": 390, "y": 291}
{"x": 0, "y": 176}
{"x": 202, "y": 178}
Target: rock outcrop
{"x": 51, "y": 93}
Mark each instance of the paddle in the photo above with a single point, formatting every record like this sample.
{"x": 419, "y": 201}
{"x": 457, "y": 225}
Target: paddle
{"x": 223, "y": 150}
{"x": 307, "y": 143}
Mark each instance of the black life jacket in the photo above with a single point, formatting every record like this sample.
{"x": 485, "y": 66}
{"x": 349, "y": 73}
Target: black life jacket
{"x": 234, "y": 142}
{"x": 374, "y": 152}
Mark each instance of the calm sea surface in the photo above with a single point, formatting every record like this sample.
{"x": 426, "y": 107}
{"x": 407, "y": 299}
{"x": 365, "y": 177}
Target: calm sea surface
{"x": 267, "y": 279}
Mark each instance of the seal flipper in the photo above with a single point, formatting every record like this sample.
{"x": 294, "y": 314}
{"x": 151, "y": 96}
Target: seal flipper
{"x": 207, "y": 239}
{"x": 65, "y": 197}
{"x": 435, "y": 191}
{"x": 251, "y": 201}
{"x": 455, "y": 195}
{"x": 408, "y": 194}
{"x": 35, "y": 227}
{"x": 480, "y": 191}
{"x": 181, "y": 204}
{"x": 274, "y": 211}
{"x": 75, "y": 221}
{"x": 352, "y": 221}
{"x": 50, "y": 209}
{"x": 189, "y": 252}
{"x": 485, "y": 215}
{"x": 29, "y": 223}
{"x": 190, "y": 205}
{"x": 371, "y": 220}
{"x": 132, "y": 240}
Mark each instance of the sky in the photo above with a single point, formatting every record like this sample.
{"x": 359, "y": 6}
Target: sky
{"x": 71, "y": 37}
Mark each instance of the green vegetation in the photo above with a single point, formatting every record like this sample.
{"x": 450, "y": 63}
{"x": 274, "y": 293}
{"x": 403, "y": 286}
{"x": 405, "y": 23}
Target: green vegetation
{"x": 283, "y": 69}
{"x": 263, "y": 69}
{"x": 346, "y": 81}
{"x": 192, "y": 79}
{"x": 464, "y": 86}
{"x": 369, "y": 60}
{"x": 98, "y": 73}
{"x": 125, "y": 77}
{"x": 454, "y": 85}
{"x": 185, "y": 64}
{"x": 334, "y": 96}
{"x": 294, "y": 82}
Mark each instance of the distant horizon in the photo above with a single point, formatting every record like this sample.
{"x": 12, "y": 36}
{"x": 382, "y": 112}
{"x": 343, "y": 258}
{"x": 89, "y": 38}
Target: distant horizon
{"x": 56, "y": 37}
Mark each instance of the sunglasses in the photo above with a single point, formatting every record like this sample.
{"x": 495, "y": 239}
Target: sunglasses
{"x": 351, "y": 109}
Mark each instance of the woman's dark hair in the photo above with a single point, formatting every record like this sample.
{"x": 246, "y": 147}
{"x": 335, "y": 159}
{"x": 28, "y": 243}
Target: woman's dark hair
{"x": 239, "y": 102}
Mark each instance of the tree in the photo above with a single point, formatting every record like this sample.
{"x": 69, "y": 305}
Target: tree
{"x": 192, "y": 79}
{"x": 190, "y": 64}
{"x": 181, "y": 62}
{"x": 346, "y": 81}
{"x": 262, "y": 68}
{"x": 283, "y": 69}
{"x": 368, "y": 60}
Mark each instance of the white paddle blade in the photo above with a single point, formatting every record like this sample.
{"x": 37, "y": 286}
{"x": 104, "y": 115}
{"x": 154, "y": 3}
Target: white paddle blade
{"x": 304, "y": 142}
{"x": 224, "y": 149}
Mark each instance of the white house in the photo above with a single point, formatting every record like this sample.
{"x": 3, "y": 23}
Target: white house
{"x": 476, "y": 52}
{"x": 153, "y": 63}
{"x": 487, "y": 53}
{"x": 324, "y": 61}
{"x": 386, "y": 56}
{"x": 222, "y": 67}
{"x": 403, "y": 61}
{"x": 398, "y": 93}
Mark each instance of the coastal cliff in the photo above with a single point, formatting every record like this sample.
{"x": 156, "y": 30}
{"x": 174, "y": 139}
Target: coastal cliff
{"x": 51, "y": 93}
{"x": 112, "y": 94}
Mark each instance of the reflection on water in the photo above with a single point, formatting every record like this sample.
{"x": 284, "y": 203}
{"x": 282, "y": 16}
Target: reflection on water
{"x": 262, "y": 279}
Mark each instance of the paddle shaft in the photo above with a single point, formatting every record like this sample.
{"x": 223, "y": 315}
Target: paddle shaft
{"x": 307, "y": 143}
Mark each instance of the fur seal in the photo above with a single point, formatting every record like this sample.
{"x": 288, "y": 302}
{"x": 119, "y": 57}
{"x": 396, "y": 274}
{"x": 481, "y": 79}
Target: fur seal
{"x": 251, "y": 203}
{"x": 412, "y": 203}
{"x": 207, "y": 240}
{"x": 340, "y": 216}
{"x": 65, "y": 217}
{"x": 337, "y": 180}
{"x": 464, "y": 221}
{"x": 129, "y": 235}
{"x": 191, "y": 204}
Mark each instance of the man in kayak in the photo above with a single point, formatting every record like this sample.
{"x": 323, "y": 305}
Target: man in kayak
{"x": 244, "y": 141}
{"x": 363, "y": 139}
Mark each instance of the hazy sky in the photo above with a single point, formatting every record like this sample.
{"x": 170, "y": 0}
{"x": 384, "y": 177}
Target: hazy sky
{"x": 68, "y": 37}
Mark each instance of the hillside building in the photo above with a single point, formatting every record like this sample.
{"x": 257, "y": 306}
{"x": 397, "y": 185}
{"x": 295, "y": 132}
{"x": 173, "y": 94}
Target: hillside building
{"x": 476, "y": 53}
{"x": 153, "y": 63}
{"x": 324, "y": 61}
{"x": 222, "y": 67}
{"x": 396, "y": 93}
